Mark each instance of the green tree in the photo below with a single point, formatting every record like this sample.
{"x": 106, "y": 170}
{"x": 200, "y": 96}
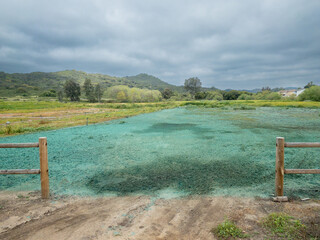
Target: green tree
{"x": 60, "y": 96}
{"x": 231, "y": 95}
{"x": 89, "y": 90}
{"x": 267, "y": 88}
{"x": 50, "y": 93}
{"x": 214, "y": 95}
{"x": 98, "y": 92}
{"x": 312, "y": 93}
{"x": 245, "y": 96}
{"x": 192, "y": 85}
{"x": 72, "y": 90}
{"x": 309, "y": 85}
{"x": 273, "y": 96}
{"x": 134, "y": 95}
{"x": 121, "y": 96}
{"x": 167, "y": 93}
{"x": 200, "y": 95}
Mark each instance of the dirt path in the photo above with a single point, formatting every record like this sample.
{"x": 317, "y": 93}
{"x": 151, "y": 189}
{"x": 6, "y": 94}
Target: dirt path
{"x": 26, "y": 216}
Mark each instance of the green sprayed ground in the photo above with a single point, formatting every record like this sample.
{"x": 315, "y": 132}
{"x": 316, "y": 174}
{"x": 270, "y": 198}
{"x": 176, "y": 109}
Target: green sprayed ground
{"x": 182, "y": 151}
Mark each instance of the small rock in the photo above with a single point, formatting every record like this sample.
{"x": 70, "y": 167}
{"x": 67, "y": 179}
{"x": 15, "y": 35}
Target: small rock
{"x": 305, "y": 199}
{"x": 280, "y": 199}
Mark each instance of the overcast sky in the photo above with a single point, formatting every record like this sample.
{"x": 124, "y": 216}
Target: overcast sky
{"x": 227, "y": 44}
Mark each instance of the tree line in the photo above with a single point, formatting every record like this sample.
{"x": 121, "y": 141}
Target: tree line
{"x": 72, "y": 90}
{"x": 193, "y": 87}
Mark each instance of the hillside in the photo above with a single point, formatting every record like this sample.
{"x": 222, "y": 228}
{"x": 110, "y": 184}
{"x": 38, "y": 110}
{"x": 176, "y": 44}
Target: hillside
{"x": 37, "y": 82}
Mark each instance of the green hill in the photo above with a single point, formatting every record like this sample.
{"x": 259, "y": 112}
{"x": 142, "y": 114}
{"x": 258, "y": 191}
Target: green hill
{"x": 37, "y": 82}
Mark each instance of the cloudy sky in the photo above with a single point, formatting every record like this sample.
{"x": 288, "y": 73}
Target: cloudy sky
{"x": 226, "y": 43}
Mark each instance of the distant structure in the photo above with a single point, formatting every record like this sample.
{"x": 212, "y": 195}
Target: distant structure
{"x": 291, "y": 92}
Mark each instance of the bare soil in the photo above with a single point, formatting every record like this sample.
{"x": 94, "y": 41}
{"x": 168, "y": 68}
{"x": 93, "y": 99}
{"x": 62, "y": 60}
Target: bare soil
{"x": 24, "y": 215}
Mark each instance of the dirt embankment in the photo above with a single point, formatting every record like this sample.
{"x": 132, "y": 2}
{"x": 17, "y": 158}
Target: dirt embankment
{"x": 26, "y": 216}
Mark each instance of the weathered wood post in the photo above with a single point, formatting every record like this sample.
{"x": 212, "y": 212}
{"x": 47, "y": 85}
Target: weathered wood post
{"x": 44, "y": 171}
{"x": 279, "y": 166}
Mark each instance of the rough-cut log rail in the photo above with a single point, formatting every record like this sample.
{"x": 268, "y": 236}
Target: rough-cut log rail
{"x": 302, "y": 144}
{"x": 20, "y": 171}
{"x": 19, "y": 145}
{"x": 302, "y": 171}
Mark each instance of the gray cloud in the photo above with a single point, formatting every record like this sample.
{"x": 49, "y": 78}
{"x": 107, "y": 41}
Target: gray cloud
{"x": 227, "y": 44}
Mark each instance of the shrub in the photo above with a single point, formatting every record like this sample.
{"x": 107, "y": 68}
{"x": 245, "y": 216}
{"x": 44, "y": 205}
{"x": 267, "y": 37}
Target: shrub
{"x": 245, "y": 96}
{"x": 267, "y": 95}
{"x": 227, "y": 230}
{"x": 21, "y": 90}
{"x": 273, "y": 96}
{"x": 284, "y": 226}
{"x": 50, "y": 93}
{"x": 214, "y": 95}
{"x": 125, "y": 94}
{"x": 8, "y": 129}
{"x": 312, "y": 93}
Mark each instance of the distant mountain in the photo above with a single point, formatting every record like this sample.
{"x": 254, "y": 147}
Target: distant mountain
{"x": 38, "y": 82}
{"x": 144, "y": 80}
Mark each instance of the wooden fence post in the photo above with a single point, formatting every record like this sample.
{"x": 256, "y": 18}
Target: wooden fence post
{"x": 279, "y": 166}
{"x": 44, "y": 171}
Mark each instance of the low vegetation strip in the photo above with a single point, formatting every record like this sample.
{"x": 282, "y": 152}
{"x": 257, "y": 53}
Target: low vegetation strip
{"x": 31, "y": 116}
{"x": 18, "y": 117}
{"x": 254, "y": 103}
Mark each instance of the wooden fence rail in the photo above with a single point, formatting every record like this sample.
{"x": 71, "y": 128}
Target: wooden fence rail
{"x": 43, "y": 171}
{"x": 280, "y": 170}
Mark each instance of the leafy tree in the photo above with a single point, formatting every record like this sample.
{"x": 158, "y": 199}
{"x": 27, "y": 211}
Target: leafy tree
{"x": 72, "y": 90}
{"x": 231, "y": 95}
{"x": 50, "y": 93}
{"x": 98, "y": 92}
{"x": 60, "y": 96}
{"x": 192, "y": 85}
{"x": 167, "y": 93}
{"x": 245, "y": 96}
{"x": 214, "y": 95}
{"x": 200, "y": 95}
{"x": 124, "y": 94}
{"x": 273, "y": 96}
{"x": 267, "y": 88}
{"x": 89, "y": 90}
{"x": 309, "y": 85}
{"x": 267, "y": 95}
{"x": 312, "y": 93}
{"x": 121, "y": 96}
{"x": 134, "y": 95}
{"x": 21, "y": 90}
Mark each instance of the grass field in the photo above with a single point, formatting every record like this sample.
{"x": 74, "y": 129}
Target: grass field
{"x": 31, "y": 116}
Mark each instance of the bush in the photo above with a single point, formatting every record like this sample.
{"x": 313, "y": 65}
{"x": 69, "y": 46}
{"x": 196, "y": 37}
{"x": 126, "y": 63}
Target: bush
{"x": 273, "y": 96}
{"x": 125, "y": 94}
{"x": 227, "y": 230}
{"x": 284, "y": 226}
{"x": 231, "y": 95}
{"x": 312, "y": 93}
{"x": 214, "y": 95}
{"x": 21, "y": 90}
{"x": 50, "y": 93}
{"x": 200, "y": 95}
{"x": 245, "y": 96}
{"x": 267, "y": 95}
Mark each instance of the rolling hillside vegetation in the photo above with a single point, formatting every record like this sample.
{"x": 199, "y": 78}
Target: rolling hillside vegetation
{"x": 37, "y": 82}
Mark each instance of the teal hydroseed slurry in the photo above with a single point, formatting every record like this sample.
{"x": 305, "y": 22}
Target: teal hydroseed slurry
{"x": 172, "y": 153}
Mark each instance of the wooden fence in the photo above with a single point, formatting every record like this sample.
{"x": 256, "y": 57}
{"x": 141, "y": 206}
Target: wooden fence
{"x": 43, "y": 171}
{"x": 280, "y": 170}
